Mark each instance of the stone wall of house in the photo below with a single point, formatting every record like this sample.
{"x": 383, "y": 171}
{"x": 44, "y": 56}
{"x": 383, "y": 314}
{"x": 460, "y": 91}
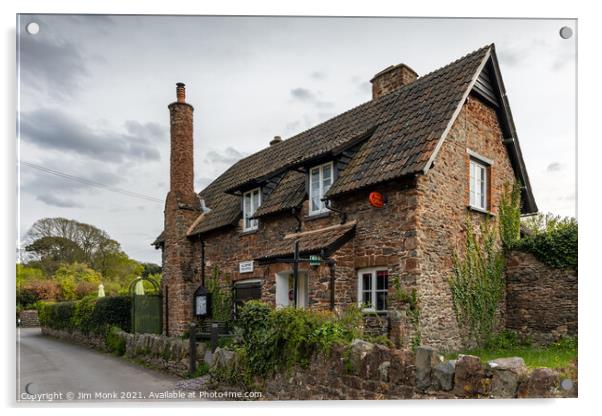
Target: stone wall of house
{"x": 384, "y": 237}
{"x": 29, "y": 319}
{"x": 442, "y": 212}
{"x": 170, "y": 354}
{"x": 541, "y": 301}
{"x": 366, "y": 371}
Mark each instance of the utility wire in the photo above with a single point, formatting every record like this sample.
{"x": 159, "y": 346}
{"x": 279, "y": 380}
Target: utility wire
{"x": 90, "y": 182}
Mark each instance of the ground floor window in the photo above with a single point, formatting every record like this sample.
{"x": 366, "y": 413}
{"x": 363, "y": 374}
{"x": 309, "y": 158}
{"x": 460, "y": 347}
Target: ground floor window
{"x": 373, "y": 285}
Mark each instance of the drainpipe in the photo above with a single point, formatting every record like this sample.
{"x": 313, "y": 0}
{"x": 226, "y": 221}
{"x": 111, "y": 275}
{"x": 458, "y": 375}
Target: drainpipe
{"x": 299, "y": 222}
{"x": 341, "y": 213}
{"x": 203, "y": 263}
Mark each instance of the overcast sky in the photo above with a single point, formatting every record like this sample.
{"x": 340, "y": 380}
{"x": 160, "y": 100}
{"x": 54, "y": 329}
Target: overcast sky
{"x": 94, "y": 92}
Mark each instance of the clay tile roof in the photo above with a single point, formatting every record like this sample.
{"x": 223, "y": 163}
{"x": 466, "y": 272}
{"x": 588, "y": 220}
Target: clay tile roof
{"x": 328, "y": 239}
{"x": 400, "y": 132}
{"x": 289, "y": 193}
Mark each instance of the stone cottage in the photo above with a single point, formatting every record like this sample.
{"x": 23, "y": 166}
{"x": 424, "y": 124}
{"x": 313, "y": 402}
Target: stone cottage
{"x": 376, "y": 197}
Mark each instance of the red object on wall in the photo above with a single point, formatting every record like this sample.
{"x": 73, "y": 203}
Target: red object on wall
{"x": 376, "y": 199}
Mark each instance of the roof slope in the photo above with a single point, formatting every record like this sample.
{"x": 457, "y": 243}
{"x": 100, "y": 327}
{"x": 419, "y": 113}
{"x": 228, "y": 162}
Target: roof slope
{"x": 398, "y": 134}
{"x": 408, "y": 124}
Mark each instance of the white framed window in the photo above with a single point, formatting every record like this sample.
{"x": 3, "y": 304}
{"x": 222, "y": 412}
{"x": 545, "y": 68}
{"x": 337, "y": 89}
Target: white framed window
{"x": 373, "y": 285}
{"x": 478, "y": 184}
{"x": 250, "y": 202}
{"x": 320, "y": 180}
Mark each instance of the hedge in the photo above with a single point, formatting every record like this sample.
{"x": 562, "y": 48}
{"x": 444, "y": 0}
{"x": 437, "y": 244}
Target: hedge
{"x": 88, "y": 315}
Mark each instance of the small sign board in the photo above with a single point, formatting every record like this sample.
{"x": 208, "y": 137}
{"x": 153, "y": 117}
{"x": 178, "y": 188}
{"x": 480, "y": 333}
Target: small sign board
{"x": 314, "y": 260}
{"x": 245, "y": 266}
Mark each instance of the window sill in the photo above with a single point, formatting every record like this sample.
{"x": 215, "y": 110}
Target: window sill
{"x": 317, "y": 216}
{"x": 248, "y": 232}
{"x": 481, "y": 210}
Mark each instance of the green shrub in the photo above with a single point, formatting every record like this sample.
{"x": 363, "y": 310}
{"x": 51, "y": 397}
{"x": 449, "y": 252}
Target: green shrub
{"x": 554, "y": 243}
{"x": 83, "y": 315}
{"x": 114, "y": 342}
{"x": 506, "y": 339}
{"x": 89, "y": 315}
{"x": 280, "y": 338}
{"x": 113, "y": 310}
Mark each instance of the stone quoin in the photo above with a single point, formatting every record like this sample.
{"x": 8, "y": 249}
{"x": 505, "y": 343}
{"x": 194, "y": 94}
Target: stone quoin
{"x": 436, "y": 148}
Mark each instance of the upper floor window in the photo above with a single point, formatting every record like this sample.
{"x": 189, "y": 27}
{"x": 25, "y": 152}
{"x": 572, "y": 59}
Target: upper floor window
{"x": 251, "y": 201}
{"x": 373, "y": 285}
{"x": 479, "y": 181}
{"x": 320, "y": 180}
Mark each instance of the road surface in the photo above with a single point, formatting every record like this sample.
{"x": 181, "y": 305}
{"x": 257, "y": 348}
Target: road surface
{"x": 48, "y": 368}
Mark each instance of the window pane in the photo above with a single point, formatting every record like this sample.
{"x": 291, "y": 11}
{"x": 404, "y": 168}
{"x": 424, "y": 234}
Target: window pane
{"x": 382, "y": 280}
{"x": 366, "y": 299}
{"x": 367, "y": 281}
{"x": 381, "y": 301}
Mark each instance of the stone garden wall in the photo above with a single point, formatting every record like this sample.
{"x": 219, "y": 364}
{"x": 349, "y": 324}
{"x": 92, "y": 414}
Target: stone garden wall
{"x": 366, "y": 371}
{"x": 29, "y": 319}
{"x": 541, "y": 301}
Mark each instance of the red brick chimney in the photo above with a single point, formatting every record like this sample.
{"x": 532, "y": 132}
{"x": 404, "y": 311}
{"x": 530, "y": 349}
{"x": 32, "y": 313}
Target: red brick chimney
{"x": 391, "y": 79}
{"x": 181, "y": 160}
{"x": 182, "y": 207}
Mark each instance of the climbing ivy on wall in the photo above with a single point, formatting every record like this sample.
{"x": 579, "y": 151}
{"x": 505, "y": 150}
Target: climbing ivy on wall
{"x": 477, "y": 282}
{"x": 221, "y": 295}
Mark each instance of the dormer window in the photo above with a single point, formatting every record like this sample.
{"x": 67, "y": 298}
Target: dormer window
{"x": 250, "y": 202}
{"x": 320, "y": 180}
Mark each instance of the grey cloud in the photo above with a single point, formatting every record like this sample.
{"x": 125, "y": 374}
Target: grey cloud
{"x": 555, "y": 167}
{"x": 62, "y": 192}
{"x": 305, "y": 95}
{"x": 58, "y": 201}
{"x": 52, "y": 129}
{"x": 302, "y": 94}
{"x": 53, "y": 66}
{"x": 229, "y": 156}
{"x": 318, "y": 75}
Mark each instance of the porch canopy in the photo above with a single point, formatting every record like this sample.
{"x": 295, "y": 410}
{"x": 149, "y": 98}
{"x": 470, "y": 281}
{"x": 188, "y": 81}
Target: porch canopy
{"x": 323, "y": 241}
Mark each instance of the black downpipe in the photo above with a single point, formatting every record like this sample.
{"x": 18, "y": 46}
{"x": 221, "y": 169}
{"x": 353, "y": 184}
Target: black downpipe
{"x": 295, "y": 272}
{"x": 202, "y": 263}
{"x": 341, "y": 213}
{"x": 299, "y": 222}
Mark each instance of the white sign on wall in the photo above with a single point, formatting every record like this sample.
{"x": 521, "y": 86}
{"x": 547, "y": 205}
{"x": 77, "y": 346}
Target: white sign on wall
{"x": 245, "y": 266}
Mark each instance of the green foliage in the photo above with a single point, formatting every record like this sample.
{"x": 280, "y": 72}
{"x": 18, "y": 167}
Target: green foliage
{"x": 221, "y": 296}
{"x": 280, "y": 338}
{"x": 506, "y": 339}
{"x": 201, "y": 370}
{"x": 114, "y": 342}
{"x": 77, "y": 257}
{"x": 83, "y": 312}
{"x": 509, "y": 215}
{"x": 560, "y": 355}
{"x": 477, "y": 282}
{"x": 89, "y": 315}
{"x": 553, "y": 240}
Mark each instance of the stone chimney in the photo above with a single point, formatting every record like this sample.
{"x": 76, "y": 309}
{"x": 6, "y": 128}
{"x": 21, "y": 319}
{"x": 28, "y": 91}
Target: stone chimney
{"x": 391, "y": 79}
{"x": 275, "y": 140}
{"x": 182, "y": 207}
{"x": 181, "y": 160}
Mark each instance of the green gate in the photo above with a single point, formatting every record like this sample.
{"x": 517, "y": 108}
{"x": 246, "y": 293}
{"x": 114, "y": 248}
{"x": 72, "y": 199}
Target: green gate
{"x": 146, "y": 310}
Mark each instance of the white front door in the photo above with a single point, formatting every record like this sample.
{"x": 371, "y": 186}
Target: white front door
{"x": 285, "y": 287}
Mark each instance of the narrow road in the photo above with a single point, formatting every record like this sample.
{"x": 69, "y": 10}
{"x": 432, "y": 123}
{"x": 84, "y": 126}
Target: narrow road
{"x": 68, "y": 372}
